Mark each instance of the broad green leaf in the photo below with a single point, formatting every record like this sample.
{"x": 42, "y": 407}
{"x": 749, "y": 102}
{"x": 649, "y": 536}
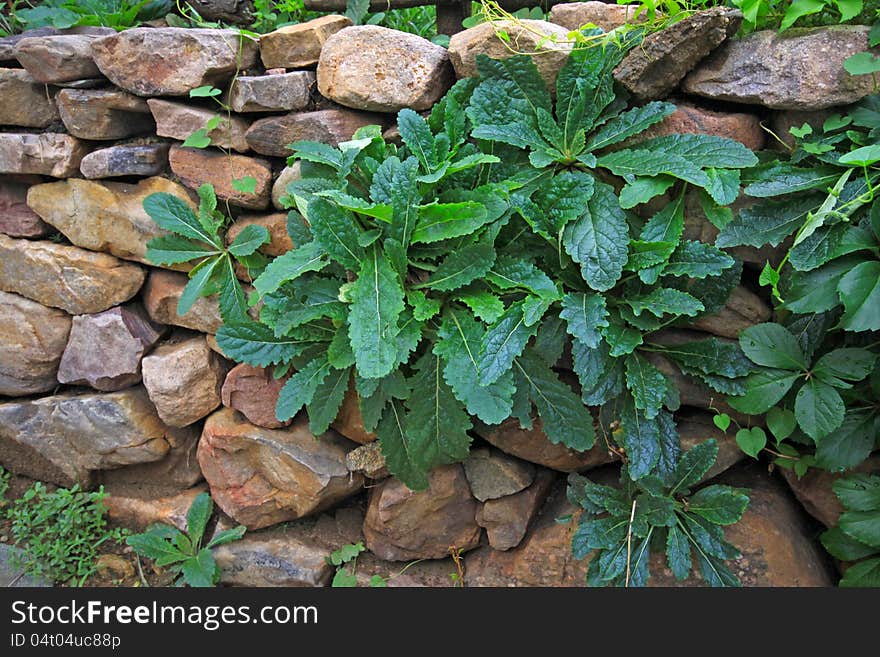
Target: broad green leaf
{"x": 711, "y": 356}
{"x": 703, "y": 150}
{"x": 647, "y": 385}
{"x": 584, "y": 314}
{"x": 197, "y": 517}
{"x": 772, "y": 345}
{"x": 781, "y": 423}
{"x": 782, "y": 178}
{"x": 678, "y": 553}
{"x": 629, "y": 123}
{"x": 720, "y": 505}
{"x": 763, "y": 390}
{"x": 301, "y": 388}
{"x": 291, "y": 265}
{"x": 257, "y": 345}
{"x": 843, "y": 547}
{"x": 424, "y": 307}
{"x": 198, "y": 284}
{"x": 484, "y": 304}
{"x": 817, "y": 290}
{"x": 251, "y": 238}
{"x": 863, "y": 526}
{"x": 377, "y": 302}
{"x": 396, "y": 447}
{"x": 598, "y": 240}
{"x": 172, "y": 214}
{"x": 463, "y": 266}
{"x": 416, "y": 134}
{"x": 511, "y": 273}
{"x": 694, "y": 465}
{"x": 336, "y": 230}
{"x": 440, "y": 221}
{"x": 318, "y": 153}
{"x": 232, "y": 301}
{"x": 768, "y": 223}
{"x": 865, "y": 574}
{"x": 602, "y": 533}
{"x": 664, "y": 300}
{"x": 640, "y": 437}
{"x": 666, "y": 225}
{"x": 860, "y": 293}
{"x": 561, "y": 200}
{"x": 642, "y": 162}
{"x": 849, "y": 363}
{"x": 173, "y": 250}
{"x": 697, "y": 260}
{"x": 621, "y": 339}
{"x": 327, "y": 400}
{"x": 859, "y": 492}
{"x": 199, "y": 571}
{"x": 819, "y": 409}
{"x": 643, "y": 189}
{"x": 723, "y": 185}
{"x": 585, "y": 87}
{"x": 600, "y": 375}
{"x": 502, "y": 343}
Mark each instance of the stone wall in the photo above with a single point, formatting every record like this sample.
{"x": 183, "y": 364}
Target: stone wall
{"x": 102, "y": 382}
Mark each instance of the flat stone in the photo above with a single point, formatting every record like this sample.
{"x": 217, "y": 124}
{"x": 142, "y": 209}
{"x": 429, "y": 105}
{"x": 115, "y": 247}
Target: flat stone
{"x": 162, "y": 294}
{"x": 103, "y": 114}
{"x": 299, "y": 46}
{"x": 177, "y": 470}
{"x": 272, "y": 135}
{"x": 196, "y": 167}
{"x": 183, "y": 380}
{"x": 104, "y": 216}
{"x": 506, "y": 519}
{"x": 533, "y": 445}
{"x": 24, "y": 101}
{"x": 105, "y": 349}
{"x": 402, "y": 525}
{"x": 433, "y": 573}
{"x": 574, "y": 15}
{"x": 800, "y": 69}
{"x": 253, "y": 392}
{"x": 276, "y": 224}
{"x": 58, "y": 58}
{"x": 179, "y": 120}
{"x": 272, "y": 93}
{"x": 8, "y": 43}
{"x": 265, "y": 476}
{"x": 125, "y": 160}
{"x": 273, "y": 559}
{"x": 689, "y": 118}
{"x": 66, "y": 277}
{"x": 12, "y": 575}
{"x": 65, "y": 438}
{"x": 47, "y": 154}
{"x": 137, "y": 513}
{"x": 550, "y": 43}
{"x": 32, "y": 339}
{"x": 148, "y": 62}
{"x": 16, "y": 218}
{"x": 743, "y": 309}
{"x": 377, "y": 69}
{"x": 349, "y": 421}
{"x": 661, "y": 61}
{"x": 368, "y": 461}
{"x": 279, "y": 187}
{"x": 492, "y": 474}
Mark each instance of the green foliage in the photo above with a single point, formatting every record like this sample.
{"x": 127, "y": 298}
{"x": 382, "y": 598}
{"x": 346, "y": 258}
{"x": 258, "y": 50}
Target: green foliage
{"x": 60, "y": 531}
{"x": 620, "y": 525}
{"x": 4, "y": 485}
{"x": 345, "y": 561}
{"x": 187, "y": 554}
{"x": 118, "y": 14}
{"x": 857, "y": 535}
{"x": 784, "y": 14}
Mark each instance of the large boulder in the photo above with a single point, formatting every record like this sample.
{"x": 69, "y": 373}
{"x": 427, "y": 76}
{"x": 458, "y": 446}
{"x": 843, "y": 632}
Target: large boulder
{"x": 283, "y": 92}
{"x": 101, "y": 216}
{"x": 32, "y": 340}
{"x": 171, "y": 61}
{"x": 299, "y": 46}
{"x": 47, "y": 154}
{"x": 66, "y": 277}
{"x": 800, "y": 69}
{"x": 261, "y": 477}
{"x": 24, "y": 101}
{"x": 377, "y": 69}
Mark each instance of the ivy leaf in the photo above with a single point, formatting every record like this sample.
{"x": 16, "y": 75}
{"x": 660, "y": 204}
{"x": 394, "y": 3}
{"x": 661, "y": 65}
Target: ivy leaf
{"x": 678, "y": 553}
{"x": 463, "y": 266}
{"x": 860, "y": 293}
{"x": 564, "y": 417}
{"x": 584, "y": 315}
{"x": 819, "y": 409}
{"x": 300, "y": 388}
{"x": 502, "y": 343}
{"x": 647, "y": 385}
{"x": 197, "y": 139}
{"x": 763, "y": 390}
{"x": 598, "y": 240}
{"x": 327, "y": 400}
{"x": 251, "y": 238}
{"x": 377, "y": 302}
{"x": 772, "y": 345}
{"x": 245, "y": 185}
{"x": 291, "y": 265}
{"x": 781, "y": 423}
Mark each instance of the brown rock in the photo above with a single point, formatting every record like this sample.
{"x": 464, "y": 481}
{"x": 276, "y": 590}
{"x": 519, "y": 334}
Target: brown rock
{"x": 24, "y": 101}
{"x": 179, "y": 121}
{"x": 272, "y": 93}
{"x": 402, "y": 525}
{"x": 8, "y": 43}
{"x": 801, "y": 69}
{"x": 659, "y": 63}
{"x": 264, "y": 476}
{"x": 743, "y": 309}
{"x": 161, "y": 295}
{"x": 177, "y": 470}
{"x": 276, "y": 224}
{"x": 349, "y": 421}
{"x": 272, "y": 135}
{"x": 299, "y": 46}
{"x": 279, "y": 187}
{"x": 273, "y": 559}
{"x": 492, "y": 474}
{"x": 125, "y": 160}
{"x": 253, "y": 392}
{"x": 506, "y": 519}
{"x": 32, "y": 339}
{"x": 212, "y": 343}
{"x": 104, "y": 350}
{"x": 533, "y": 445}
{"x": 574, "y": 15}
{"x": 196, "y": 167}
{"x": 783, "y": 121}
{"x": 695, "y": 427}
{"x": 138, "y": 513}
{"x": 58, "y": 58}
{"x": 47, "y": 154}
{"x": 103, "y": 114}
{"x": 113, "y": 566}
{"x": 16, "y": 218}
{"x": 435, "y": 573}
{"x": 101, "y": 216}
{"x": 381, "y": 70}
{"x": 550, "y": 43}
{"x": 66, "y": 277}
{"x": 65, "y": 438}
{"x": 692, "y": 119}
{"x": 151, "y": 62}
{"x": 368, "y": 461}
{"x": 183, "y": 380}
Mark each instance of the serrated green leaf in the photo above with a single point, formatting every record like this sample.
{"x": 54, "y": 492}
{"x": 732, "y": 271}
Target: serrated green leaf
{"x": 768, "y": 223}
{"x": 198, "y": 285}
{"x": 858, "y": 492}
{"x": 483, "y": 304}
{"x": 843, "y": 547}
{"x": 251, "y": 238}
{"x": 560, "y": 201}
{"x": 819, "y": 409}
{"x": 584, "y": 314}
{"x": 510, "y": 273}
{"x": 664, "y": 300}
{"x": 172, "y": 214}
{"x": 642, "y": 162}
{"x": 643, "y": 189}
{"x": 694, "y": 464}
{"x": 720, "y": 505}
{"x": 697, "y": 260}
{"x": 172, "y": 250}
{"x": 600, "y": 375}
{"x": 864, "y": 526}
{"x": 440, "y": 221}
{"x": 336, "y": 231}
{"x": 327, "y": 400}
{"x": 711, "y": 356}
{"x": 629, "y": 123}
{"x": 395, "y": 445}
{"x": 763, "y": 390}
{"x": 640, "y": 437}
{"x": 463, "y": 266}
{"x": 647, "y": 385}
{"x": 300, "y": 388}
{"x": 291, "y": 265}
{"x": 416, "y": 134}
{"x": 257, "y": 345}
{"x": 502, "y": 343}
{"x": 678, "y": 553}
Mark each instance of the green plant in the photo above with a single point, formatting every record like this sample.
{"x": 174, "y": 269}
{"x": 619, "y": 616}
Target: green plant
{"x": 857, "y": 535}
{"x": 269, "y": 15}
{"x": 345, "y": 561}
{"x": 784, "y": 14}
{"x": 200, "y": 236}
{"x": 60, "y": 531}
{"x": 118, "y": 14}
{"x": 4, "y": 485}
{"x": 184, "y": 552}
{"x": 619, "y": 526}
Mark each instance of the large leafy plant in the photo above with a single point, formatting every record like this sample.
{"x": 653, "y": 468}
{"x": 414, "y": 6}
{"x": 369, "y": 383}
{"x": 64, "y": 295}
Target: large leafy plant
{"x": 857, "y": 536}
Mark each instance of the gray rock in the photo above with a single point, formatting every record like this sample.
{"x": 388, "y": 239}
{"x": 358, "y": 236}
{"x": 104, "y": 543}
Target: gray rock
{"x": 47, "y": 154}
{"x": 272, "y": 135}
{"x": 24, "y": 101}
{"x": 103, "y": 114}
{"x": 13, "y": 575}
{"x": 58, "y": 58}
{"x": 125, "y": 160}
{"x": 272, "y": 93}
{"x": 798, "y": 69}
{"x": 507, "y": 519}
{"x": 574, "y": 15}
{"x": 273, "y": 559}
{"x": 299, "y": 46}
{"x": 492, "y": 474}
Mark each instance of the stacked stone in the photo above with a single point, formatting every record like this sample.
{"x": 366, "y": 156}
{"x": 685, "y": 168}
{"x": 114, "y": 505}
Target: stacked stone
{"x": 103, "y": 382}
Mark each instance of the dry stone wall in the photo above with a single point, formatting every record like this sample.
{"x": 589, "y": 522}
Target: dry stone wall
{"x": 102, "y": 382}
